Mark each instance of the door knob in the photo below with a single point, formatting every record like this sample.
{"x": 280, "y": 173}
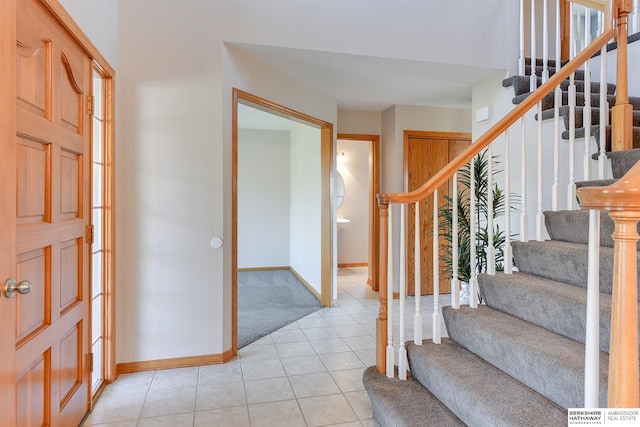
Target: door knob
{"x": 23, "y": 287}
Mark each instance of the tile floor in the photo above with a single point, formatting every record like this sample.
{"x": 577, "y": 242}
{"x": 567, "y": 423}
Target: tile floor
{"x": 308, "y": 373}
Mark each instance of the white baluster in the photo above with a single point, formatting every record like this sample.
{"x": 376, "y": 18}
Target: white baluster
{"x": 455, "y": 281}
{"x": 555, "y": 187}
{"x": 571, "y": 188}
{"x": 491, "y": 250}
{"x": 524, "y": 216}
{"x": 521, "y": 55}
{"x": 545, "y": 42}
{"x": 402, "y": 351}
{"x": 539, "y": 213}
{"x": 390, "y": 280}
{"x": 592, "y": 341}
{"x": 437, "y": 333}
{"x": 635, "y": 18}
{"x": 417, "y": 317}
{"x": 586, "y": 111}
{"x": 508, "y": 267}
{"x": 473, "y": 281}
{"x": 534, "y": 78}
{"x": 604, "y": 114}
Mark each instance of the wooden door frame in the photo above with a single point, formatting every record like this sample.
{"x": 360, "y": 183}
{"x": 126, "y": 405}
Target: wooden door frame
{"x": 8, "y": 117}
{"x": 327, "y": 166}
{"x": 374, "y": 216}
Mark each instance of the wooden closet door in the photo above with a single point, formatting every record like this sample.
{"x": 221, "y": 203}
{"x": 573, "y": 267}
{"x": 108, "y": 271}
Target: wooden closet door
{"x": 50, "y": 323}
{"x": 425, "y": 154}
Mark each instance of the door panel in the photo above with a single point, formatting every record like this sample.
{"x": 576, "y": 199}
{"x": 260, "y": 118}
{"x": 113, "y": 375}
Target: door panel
{"x": 425, "y": 154}
{"x": 51, "y": 342}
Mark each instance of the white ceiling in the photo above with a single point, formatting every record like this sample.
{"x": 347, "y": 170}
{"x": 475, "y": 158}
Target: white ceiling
{"x": 365, "y": 83}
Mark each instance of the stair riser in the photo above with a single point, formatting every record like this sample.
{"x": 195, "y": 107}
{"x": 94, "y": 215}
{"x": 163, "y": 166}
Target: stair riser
{"x": 548, "y": 363}
{"x": 548, "y": 101}
{"x": 579, "y": 74}
{"x": 573, "y": 226}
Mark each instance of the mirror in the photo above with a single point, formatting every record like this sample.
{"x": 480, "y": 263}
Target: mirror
{"x": 339, "y": 190}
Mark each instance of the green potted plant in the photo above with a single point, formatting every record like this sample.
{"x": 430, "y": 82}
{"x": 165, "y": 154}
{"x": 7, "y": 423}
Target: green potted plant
{"x": 480, "y": 178}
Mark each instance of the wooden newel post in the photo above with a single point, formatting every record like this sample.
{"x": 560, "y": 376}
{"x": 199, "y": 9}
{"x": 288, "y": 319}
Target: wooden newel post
{"x": 381, "y": 321}
{"x": 624, "y": 390}
{"x": 622, "y": 112}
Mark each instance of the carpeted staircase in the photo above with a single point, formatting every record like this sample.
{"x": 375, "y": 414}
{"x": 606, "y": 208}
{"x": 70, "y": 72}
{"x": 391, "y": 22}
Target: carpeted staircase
{"x": 521, "y": 88}
{"x": 519, "y": 359}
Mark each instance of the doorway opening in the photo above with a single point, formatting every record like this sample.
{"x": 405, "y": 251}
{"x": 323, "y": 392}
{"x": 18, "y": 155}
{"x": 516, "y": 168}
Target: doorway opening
{"x": 322, "y": 281}
{"x": 360, "y": 168}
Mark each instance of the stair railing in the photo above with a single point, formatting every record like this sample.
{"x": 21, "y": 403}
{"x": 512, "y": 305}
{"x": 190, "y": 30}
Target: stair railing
{"x": 622, "y": 200}
{"x": 385, "y": 326}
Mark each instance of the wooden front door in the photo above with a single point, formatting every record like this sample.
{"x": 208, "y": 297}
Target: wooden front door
{"x": 48, "y": 343}
{"x": 425, "y": 154}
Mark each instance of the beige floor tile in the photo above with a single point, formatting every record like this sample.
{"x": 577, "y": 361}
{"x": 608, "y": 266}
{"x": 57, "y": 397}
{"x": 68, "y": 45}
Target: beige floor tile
{"x": 295, "y": 349}
{"x": 334, "y": 345}
{"x": 316, "y": 413}
{"x": 178, "y": 420}
{"x": 361, "y": 404}
{"x": 110, "y": 409}
{"x": 366, "y": 342}
{"x": 131, "y": 423}
{"x": 260, "y": 369}
{"x": 313, "y": 385}
{"x": 175, "y": 379}
{"x": 229, "y": 372}
{"x": 268, "y": 390}
{"x": 259, "y": 352}
{"x": 226, "y": 417}
{"x": 349, "y": 379}
{"x": 313, "y": 322}
{"x": 320, "y": 333}
{"x": 289, "y": 335}
{"x": 216, "y": 396}
{"x": 344, "y": 320}
{"x": 341, "y": 361}
{"x": 169, "y": 401}
{"x": 303, "y": 365}
{"x": 369, "y": 423}
{"x": 285, "y": 413}
{"x": 351, "y": 331}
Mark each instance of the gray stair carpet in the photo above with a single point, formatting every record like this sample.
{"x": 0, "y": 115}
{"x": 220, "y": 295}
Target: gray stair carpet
{"x": 595, "y": 131}
{"x": 522, "y": 85}
{"x": 562, "y": 261}
{"x": 564, "y": 113}
{"x": 405, "y": 403}
{"x": 477, "y": 392}
{"x": 544, "y": 361}
{"x": 573, "y": 226}
{"x": 553, "y": 305}
{"x": 622, "y": 161}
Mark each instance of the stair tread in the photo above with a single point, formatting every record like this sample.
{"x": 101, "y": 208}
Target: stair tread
{"x": 406, "y": 403}
{"x": 562, "y": 261}
{"x": 573, "y": 226}
{"x": 468, "y": 385}
{"x": 522, "y": 84}
{"x": 549, "y": 363}
{"x": 521, "y": 295}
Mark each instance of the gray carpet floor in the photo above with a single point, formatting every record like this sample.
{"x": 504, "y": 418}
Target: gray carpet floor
{"x": 269, "y": 300}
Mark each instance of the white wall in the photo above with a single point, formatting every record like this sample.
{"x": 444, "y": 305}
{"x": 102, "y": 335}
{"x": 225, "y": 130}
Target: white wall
{"x": 306, "y": 205}
{"x": 173, "y": 140}
{"x": 353, "y": 238}
{"x": 359, "y": 122}
{"x": 263, "y": 198}
{"x": 99, "y": 21}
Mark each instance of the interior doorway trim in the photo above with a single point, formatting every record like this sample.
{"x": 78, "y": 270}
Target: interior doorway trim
{"x": 327, "y": 165}
{"x": 374, "y": 216}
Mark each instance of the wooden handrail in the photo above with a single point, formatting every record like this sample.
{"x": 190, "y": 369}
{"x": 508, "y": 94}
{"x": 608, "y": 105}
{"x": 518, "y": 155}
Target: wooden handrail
{"x": 499, "y": 128}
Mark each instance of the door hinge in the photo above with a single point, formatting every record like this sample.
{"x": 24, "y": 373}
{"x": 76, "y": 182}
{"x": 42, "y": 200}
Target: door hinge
{"x": 90, "y": 237}
{"x": 90, "y": 362}
{"x": 90, "y": 104}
